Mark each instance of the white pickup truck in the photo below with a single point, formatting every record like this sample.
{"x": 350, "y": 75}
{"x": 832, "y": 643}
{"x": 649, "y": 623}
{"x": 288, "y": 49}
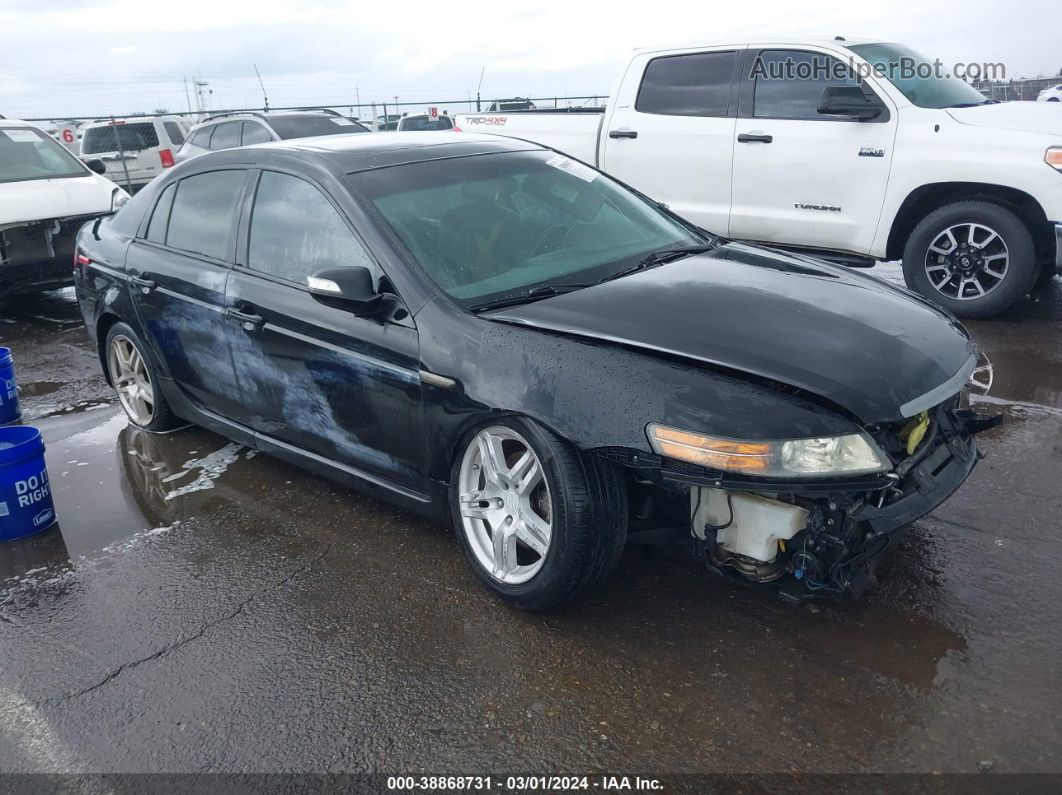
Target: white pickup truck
{"x": 857, "y": 151}
{"x": 46, "y": 194}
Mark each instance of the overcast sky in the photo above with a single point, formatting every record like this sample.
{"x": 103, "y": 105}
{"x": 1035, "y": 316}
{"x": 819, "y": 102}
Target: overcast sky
{"x": 92, "y": 57}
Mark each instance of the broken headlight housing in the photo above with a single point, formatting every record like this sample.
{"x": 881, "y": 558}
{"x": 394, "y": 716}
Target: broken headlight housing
{"x": 848, "y": 454}
{"x": 118, "y": 199}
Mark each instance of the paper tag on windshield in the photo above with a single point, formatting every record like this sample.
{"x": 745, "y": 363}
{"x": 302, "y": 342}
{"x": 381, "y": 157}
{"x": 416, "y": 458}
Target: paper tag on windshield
{"x": 343, "y": 122}
{"x": 21, "y": 136}
{"x": 573, "y": 167}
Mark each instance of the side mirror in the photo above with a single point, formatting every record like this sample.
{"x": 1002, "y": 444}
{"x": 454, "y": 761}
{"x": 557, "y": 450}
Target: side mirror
{"x": 351, "y": 286}
{"x": 850, "y": 102}
{"x": 96, "y": 165}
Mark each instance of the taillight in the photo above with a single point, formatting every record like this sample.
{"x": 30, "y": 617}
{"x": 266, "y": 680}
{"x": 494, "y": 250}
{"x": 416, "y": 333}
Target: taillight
{"x": 457, "y": 129}
{"x": 80, "y": 259}
{"x": 166, "y": 156}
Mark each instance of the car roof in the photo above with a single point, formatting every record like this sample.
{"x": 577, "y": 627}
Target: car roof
{"x": 741, "y": 41}
{"x": 362, "y": 151}
{"x": 18, "y": 123}
{"x": 131, "y": 120}
{"x": 252, "y": 115}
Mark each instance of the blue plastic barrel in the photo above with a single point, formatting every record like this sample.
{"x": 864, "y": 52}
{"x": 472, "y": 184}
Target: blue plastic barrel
{"x": 9, "y": 409}
{"x": 25, "y": 495}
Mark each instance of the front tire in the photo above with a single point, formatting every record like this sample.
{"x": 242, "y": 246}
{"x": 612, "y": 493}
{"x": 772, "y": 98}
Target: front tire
{"x": 974, "y": 258}
{"x": 541, "y": 524}
{"x": 136, "y": 381}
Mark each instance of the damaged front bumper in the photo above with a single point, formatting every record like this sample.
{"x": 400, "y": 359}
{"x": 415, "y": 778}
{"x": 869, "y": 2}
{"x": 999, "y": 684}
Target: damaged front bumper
{"x": 39, "y": 255}
{"x": 826, "y": 534}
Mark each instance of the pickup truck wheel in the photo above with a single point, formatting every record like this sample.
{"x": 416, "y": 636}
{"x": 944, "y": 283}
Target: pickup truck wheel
{"x": 541, "y": 524}
{"x": 973, "y": 258}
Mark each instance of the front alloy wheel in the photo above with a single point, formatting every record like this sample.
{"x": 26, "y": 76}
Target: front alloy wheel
{"x": 974, "y": 258}
{"x": 967, "y": 261}
{"x": 506, "y": 509}
{"x": 541, "y": 523}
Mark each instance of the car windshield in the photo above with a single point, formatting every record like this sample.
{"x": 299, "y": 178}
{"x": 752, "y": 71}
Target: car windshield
{"x": 423, "y": 123}
{"x": 27, "y": 153}
{"x": 924, "y": 82}
{"x": 500, "y": 225}
{"x": 312, "y": 124}
{"x": 131, "y": 137}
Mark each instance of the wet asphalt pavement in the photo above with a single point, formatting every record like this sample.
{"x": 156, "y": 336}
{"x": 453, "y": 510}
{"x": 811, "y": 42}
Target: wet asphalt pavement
{"x": 202, "y": 608}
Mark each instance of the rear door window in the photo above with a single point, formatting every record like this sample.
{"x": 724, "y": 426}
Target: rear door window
{"x": 296, "y": 231}
{"x": 255, "y": 133}
{"x": 156, "y": 231}
{"x": 204, "y": 213}
{"x": 688, "y": 85}
{"x": 129, "y": 137}
{"x": 226, "y": 136}
{"x": 173, "y": 130}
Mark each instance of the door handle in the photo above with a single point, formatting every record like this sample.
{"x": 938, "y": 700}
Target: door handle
{"x": 759, "y": 138}
{"x": 249, "y": 320}
{"x": 145, "y": 285}
{"x": 622, "y": 134}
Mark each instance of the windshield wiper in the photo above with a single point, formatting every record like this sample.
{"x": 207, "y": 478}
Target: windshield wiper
{"x": 534, "y": 294}
{"x": 975, "y": 104}
{"x": 659, "y": 257}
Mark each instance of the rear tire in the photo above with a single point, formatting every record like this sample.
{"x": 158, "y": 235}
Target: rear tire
{"x": 586, "y": 515}
{"x": 135, "y": 379}
{"x": 940, "y": 243}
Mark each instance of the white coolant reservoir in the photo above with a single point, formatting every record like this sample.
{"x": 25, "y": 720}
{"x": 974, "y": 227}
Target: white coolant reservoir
{"x": 756, "y": 526}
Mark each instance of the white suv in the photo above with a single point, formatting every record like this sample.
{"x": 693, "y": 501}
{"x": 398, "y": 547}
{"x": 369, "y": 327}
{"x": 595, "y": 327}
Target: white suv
{"x": 134, "y": 150}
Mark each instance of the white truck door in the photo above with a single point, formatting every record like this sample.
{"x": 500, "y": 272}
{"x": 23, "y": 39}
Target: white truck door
{"x": 802, "y": 178}
{"x": 671, "y": 131}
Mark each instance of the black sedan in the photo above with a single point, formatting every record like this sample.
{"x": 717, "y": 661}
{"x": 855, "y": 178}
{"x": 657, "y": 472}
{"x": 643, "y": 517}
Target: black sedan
{"x": 497, "y": 335}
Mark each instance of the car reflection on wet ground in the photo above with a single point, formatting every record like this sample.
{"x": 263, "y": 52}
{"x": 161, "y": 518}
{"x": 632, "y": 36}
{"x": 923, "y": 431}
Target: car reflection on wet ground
{"x": 200, "y": 607}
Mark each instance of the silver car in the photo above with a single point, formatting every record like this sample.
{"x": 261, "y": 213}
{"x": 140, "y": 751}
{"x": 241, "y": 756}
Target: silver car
{"x": 246, "y": 128}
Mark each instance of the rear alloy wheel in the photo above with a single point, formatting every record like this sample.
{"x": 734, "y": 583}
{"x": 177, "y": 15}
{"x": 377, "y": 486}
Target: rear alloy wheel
{"x": 133, "y": 378}
{"x": 973, "y": 258}
{"x": 540, "y": 523}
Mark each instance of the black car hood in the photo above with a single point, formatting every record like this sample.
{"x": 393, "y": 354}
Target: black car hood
{"x": 867, "y": 346}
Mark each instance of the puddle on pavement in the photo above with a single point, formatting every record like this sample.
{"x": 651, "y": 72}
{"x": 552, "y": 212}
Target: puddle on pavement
{"x": 112, "y": 481}
{"x": 38, "y": 388}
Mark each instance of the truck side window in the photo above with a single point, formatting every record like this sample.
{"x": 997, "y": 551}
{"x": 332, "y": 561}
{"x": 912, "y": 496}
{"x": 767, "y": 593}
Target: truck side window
{"x": 687, "y": 85}
{"x": 789, "y": 83}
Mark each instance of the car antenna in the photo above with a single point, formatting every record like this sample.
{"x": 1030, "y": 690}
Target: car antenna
{"x": 838, "y": 38}
{"x": 265, "y": 99}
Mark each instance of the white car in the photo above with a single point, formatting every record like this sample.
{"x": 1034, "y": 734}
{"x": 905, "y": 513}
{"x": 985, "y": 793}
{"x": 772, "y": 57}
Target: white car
{"x": 835, "y": 148}
{"x": 1053, "y": 94}
{"x": 134, "y": 150}
{"x": 46, "y": 194}
{"x": 423, "y": 122}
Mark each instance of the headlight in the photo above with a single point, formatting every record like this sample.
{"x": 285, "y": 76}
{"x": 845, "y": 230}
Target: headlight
{"x": 1053, "y": 157}
{"x": 850, "y": 454}
{"x": 118, "y": 199}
